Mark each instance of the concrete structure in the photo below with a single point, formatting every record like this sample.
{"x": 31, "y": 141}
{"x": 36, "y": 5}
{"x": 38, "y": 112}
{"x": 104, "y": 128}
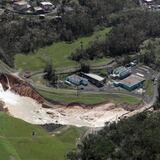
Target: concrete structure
{"x": 130, "y": 83}
{"x": 77, "y": 80}
{"x": 94, "y": 79}
{"x": 121, "y": 72}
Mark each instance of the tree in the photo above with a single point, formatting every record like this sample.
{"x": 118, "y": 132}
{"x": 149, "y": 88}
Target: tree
{"x": 85, "y": 67}
{"x": 126, "y": 59}
{"x": 136, "y": 138}
{"x": 50, "y": 74}
{"x": 124, "y": 39}
{"x": 149, "y": 51}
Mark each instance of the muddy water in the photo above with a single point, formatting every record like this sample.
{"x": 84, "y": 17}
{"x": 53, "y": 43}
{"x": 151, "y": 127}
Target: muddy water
{"x": 30, "y": 111}
{"x": 24, "y": 107}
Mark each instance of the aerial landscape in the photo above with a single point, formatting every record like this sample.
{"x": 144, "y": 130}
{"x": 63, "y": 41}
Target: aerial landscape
{"x": 79, "y": 79}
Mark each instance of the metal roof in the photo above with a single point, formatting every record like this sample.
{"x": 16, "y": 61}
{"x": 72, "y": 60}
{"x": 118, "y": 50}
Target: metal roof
{"x": 132, "y": 80}
{"x": 46, "y": 3}
{"x": 119, "y": 70}
{"x": 94, "y": 76}
{"x": 20, "y": 3}
{"x": 148, "y": 0}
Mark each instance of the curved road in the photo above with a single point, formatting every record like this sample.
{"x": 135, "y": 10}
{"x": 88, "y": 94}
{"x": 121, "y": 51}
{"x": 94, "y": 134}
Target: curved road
{"x": 129, "y": 114}
{"x": 148, "y": 105}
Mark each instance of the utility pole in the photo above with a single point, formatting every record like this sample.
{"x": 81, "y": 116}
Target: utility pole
{"x": 77, "y": 93}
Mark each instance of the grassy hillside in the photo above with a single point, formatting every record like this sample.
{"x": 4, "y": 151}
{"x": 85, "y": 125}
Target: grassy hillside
{"x": 148, "y": 87}
{"x": 58, "y": 53}
{"x": 69, "y": 96}
{"x": 16, "y": 141}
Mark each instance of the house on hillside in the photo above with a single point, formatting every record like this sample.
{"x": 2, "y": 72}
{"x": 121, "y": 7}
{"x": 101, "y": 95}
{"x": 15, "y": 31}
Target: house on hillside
{"x": 47, "y": 6}
{"x": 21, "y": 6}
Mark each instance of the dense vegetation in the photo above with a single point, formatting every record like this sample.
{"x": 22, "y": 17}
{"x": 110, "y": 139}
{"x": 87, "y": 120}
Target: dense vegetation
{"x": 130, "y": 29}
{"x": 58, "y": 54}
{"x": 50, "y": 75}
{"x": 150, "y": 52}
{"x": 27, "y": 33}
{"x": 137, "y": 138}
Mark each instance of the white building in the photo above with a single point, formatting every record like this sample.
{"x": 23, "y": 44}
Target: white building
{"x": 94, "y": 79}
{"x": 47, "y": 6}
{"x": 21, "y": 6}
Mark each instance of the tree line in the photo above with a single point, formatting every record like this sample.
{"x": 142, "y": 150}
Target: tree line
{"x": 130, "y": 28}
{"x": 25, "y": 34}
{"x": 136, "y": 138}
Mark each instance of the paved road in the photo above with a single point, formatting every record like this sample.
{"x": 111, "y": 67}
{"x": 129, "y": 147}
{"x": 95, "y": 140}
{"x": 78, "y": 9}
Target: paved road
{"x": 147, "y": 105}
{"x": 129, "y": 114}
{"x": 76, "y": 69}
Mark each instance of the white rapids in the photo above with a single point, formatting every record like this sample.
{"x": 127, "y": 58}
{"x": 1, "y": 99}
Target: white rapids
{"x": 30, "y": 111}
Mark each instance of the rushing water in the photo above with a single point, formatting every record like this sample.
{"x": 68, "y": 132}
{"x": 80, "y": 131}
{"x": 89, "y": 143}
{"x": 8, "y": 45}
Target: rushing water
{"x": 30, "y": 111}
{"x": 7, "y": 96}
{"x": 23, "y": 107}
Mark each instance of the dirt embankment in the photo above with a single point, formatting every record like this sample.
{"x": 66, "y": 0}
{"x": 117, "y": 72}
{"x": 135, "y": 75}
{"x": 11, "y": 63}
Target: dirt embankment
{"x": 20, "y": 87}
{"x": 2, "y": 107}
{"x": 20, "y": 106}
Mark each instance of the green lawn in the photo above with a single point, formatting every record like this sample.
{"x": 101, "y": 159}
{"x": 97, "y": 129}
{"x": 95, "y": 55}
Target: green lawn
{"x": 16, "y": 141}
{"x": 148, "y": 87}
{"x": 69, "y": 96}
{"x": 58, "y": 53}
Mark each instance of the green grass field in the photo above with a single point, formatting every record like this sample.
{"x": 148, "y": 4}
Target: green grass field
{"x": 70, "y": 96}
{"x": 58, "y": 53}
{"x": 17, "y": 143}
{"x": 148, "y": 87}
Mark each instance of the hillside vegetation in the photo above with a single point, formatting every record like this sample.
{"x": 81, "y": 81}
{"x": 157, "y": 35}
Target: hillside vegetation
{"x": 58, "y": 53}
{"x": 137, "y": 138}
{"x": 25, "y": 34}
